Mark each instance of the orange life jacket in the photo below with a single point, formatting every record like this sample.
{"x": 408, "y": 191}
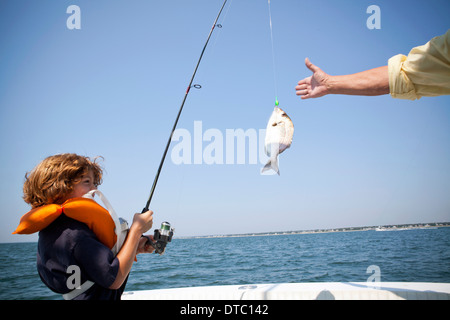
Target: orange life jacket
{"x": 87, "y": 211}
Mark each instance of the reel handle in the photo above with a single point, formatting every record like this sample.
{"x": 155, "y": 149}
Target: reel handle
{"x": 161, "y": 237}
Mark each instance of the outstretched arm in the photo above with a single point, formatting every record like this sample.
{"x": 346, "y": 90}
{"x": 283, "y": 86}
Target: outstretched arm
{"x": 367, "y": 83}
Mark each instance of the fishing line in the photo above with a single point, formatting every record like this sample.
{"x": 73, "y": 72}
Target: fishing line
{"x": 273, "y": 57}
{"x": 146, "y": 208}
{"x": 213, "y": 45}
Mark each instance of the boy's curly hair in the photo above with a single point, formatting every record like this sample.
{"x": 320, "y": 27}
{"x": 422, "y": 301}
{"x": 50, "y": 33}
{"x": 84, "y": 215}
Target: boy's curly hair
{"x": 53, "y": 179}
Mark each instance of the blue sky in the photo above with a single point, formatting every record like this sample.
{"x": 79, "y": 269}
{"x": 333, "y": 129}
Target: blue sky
{"x": 113, "y": 88}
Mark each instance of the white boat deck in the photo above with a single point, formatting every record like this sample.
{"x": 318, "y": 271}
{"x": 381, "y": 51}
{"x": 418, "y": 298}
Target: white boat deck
{"x": 302, "y": 291}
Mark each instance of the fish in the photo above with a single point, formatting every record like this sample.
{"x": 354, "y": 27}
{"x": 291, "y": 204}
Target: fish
{"x": 279, "y": 134}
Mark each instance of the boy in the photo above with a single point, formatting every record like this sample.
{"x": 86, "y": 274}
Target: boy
{"x": 76, "y": 234}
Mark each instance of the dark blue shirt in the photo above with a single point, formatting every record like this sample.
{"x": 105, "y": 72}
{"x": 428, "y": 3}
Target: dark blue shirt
{"x": 68, "y": 242}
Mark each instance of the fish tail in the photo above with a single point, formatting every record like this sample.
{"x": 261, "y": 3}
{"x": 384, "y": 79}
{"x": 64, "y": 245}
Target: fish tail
{"x": 271, "y": 164}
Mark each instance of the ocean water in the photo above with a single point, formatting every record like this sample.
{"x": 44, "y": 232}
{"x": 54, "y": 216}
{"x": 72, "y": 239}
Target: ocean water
{"x": 418, "y": 255}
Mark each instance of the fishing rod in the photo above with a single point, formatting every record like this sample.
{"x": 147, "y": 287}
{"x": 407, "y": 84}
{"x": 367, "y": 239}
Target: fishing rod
{"x": 146, "y": 208}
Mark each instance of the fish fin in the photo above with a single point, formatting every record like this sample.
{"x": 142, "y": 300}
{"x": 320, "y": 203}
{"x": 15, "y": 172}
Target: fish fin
{"x": 271, "y": 164}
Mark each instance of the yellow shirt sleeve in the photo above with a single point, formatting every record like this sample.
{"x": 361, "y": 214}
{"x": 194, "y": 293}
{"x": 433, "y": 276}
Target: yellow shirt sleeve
{"x": 425, "y": 72}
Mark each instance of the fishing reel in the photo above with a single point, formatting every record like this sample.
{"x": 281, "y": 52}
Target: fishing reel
{"x": 161, "y": 237}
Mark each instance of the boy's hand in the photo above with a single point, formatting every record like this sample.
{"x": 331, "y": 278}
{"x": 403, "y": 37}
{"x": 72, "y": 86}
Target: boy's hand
{"x": 143, "y": 246}
{"x": 143, "y": 221}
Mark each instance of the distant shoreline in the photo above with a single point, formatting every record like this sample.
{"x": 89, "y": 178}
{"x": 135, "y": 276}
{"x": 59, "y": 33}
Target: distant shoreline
{"x": 397, "y": 227}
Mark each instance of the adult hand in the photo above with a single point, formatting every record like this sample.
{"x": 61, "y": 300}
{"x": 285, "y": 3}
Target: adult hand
{"x": 314, "y": 86}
